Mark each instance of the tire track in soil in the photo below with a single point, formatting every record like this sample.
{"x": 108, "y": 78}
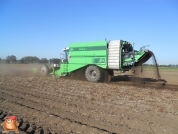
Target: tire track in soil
{"x": 96, "y": 124}
{"x": 150, "y": 101}
{"x": 50, "y": 123}
{"x": 50, "y": 102}
{"x": 127, "y": 122}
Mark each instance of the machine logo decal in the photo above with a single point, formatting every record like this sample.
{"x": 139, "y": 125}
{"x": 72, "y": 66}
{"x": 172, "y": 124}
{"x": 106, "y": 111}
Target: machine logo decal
{"x": 93, "y": 48}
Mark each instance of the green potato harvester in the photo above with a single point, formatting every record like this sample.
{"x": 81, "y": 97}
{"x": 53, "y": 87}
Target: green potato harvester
{"x": 98, "y": 60}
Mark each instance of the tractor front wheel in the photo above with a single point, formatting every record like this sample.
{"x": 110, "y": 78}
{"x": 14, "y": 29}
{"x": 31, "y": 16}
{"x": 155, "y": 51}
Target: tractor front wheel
{"x": 93, "y": 73}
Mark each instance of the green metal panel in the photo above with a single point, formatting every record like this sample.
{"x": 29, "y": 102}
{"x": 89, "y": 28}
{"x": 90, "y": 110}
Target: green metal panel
{"x": 99, "y": 61}
{"x": 62, "y": 71}
{"x": 68, "y": 68}
{"x": 73, "y": 67}
{"x": 139, "y": 55}
{"x": 88, "y": 49}
{"x": 83, "y": 54}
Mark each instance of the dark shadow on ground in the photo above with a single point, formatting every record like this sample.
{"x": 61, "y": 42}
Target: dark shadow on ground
{"x": 131, "y": 78}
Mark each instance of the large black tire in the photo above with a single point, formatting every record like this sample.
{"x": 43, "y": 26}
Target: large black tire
{"x": 108, "y": 75}
{"x": 93, "y": 73}
{"x": 44, "y": 70}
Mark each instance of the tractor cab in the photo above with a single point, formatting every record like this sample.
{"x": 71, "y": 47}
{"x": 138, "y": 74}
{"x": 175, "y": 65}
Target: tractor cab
{"x": 65, "y": 57}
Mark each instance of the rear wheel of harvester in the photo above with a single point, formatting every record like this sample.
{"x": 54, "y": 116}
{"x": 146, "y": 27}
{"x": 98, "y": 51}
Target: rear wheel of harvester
{"x": 93, "y": 73}
{"x": 108, "y": 75}
{"x": 44, "y": 70}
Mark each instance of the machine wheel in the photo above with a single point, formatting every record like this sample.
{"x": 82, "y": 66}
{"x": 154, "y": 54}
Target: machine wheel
{"x": 108, "y": 75}
{"x": 44, "y": 70}
{"x": 93, "y": 73}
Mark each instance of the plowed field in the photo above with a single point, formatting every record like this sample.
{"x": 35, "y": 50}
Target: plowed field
{"x": 57, "y": 105}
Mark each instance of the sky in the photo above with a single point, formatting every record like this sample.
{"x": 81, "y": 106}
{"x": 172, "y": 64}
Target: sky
{"x": 43, "y": 28}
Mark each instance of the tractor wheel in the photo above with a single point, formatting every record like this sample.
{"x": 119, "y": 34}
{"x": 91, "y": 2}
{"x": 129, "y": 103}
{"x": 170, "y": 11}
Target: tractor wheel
{"x": 93, "y": 74}
{"x": 44, "y": 70}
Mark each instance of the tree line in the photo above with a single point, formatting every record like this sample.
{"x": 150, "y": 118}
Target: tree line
{"x": 34, "y": 59}
{"x": 169, "y": 65}
{"x": 29, "y": 60}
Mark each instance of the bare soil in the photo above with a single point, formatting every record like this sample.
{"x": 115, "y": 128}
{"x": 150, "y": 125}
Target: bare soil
{"x": 71, "y": 106}
{"x": 170, "y": 76}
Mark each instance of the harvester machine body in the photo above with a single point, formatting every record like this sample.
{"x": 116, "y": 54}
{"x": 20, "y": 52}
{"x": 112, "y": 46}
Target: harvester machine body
{"x": 99, "y": 57}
